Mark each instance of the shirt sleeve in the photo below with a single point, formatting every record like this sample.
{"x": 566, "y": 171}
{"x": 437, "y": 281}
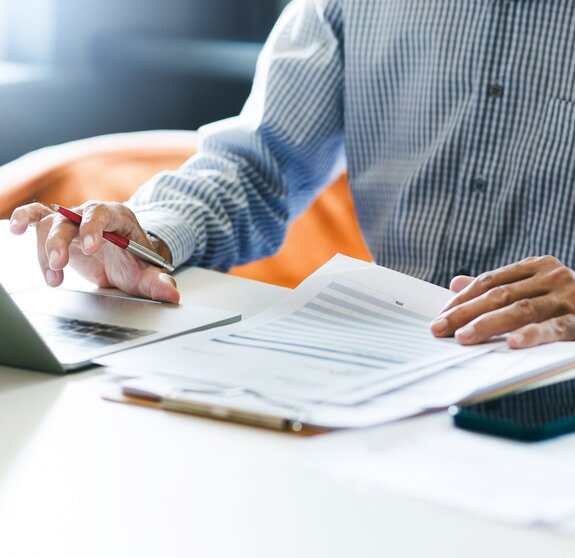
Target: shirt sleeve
{"x": 232, "y": 202}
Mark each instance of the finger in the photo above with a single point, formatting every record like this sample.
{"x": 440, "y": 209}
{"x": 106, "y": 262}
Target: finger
{"x": 459, "y": 282}
{"x": 521, "y": 313}
{"x": 455, "y": 318}
{"x": 26, "y": 215}
{"x": 92, "y": 227}
{"x": 58, "y": 240}
{"x": 503, "y": 276}
{"x": 561, "y": 328}
{"x": 113, "y": 217}
{"x": 52, "y": 277}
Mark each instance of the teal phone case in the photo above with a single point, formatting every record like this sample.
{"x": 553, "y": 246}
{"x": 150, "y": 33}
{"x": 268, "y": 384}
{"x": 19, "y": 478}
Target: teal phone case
{"x": 531, "y": 415}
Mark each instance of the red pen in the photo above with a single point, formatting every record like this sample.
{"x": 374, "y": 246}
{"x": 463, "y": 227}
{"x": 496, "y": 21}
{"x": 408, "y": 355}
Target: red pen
{"x": 129, "y": 245}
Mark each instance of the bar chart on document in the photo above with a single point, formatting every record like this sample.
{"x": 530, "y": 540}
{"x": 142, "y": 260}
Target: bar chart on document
{"x": 346, "y": 326}
{"x": 346, "y": 344}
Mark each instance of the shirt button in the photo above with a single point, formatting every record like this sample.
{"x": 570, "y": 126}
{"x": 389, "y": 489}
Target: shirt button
{"x": 479, "y": 184}
{"x": 495, "y": 89}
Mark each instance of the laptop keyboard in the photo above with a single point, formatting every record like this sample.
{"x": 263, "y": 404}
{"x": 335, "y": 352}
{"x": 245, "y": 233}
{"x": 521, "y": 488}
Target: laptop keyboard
{"x": 82, "y": 334}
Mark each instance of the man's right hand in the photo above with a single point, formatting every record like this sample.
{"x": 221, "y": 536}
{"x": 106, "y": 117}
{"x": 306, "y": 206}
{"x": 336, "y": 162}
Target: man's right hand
{"x": 61, "y": 242}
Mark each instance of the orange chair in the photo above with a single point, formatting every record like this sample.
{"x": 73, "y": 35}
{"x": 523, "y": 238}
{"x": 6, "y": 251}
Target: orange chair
{"x": 111, "y": 168}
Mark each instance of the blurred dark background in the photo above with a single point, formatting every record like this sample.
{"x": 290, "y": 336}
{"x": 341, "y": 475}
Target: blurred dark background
{"x": 76, "y": 68}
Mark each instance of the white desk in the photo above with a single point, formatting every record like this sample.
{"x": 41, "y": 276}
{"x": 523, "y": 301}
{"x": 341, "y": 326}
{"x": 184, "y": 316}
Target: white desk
{"x": 81, "y": 477}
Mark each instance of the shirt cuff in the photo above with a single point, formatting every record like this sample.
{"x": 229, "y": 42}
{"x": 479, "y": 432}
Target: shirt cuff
{"x": 171, "y": 229}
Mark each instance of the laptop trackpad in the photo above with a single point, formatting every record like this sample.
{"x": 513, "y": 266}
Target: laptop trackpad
{"x": 94, "y": 307}
{"x": 122, "y": 310}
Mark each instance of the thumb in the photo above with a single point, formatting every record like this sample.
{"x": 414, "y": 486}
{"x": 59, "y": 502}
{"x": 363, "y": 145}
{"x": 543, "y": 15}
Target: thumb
{"x": 160, "y": 286}
{"x": 459, "y": 282}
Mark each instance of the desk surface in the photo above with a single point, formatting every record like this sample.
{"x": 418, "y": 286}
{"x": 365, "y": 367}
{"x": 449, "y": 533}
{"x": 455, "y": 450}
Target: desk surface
{"x": 80, "y": 476}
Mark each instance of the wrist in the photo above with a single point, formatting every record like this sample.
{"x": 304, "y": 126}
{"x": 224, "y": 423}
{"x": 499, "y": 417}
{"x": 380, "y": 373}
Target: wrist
{"x": 159, "y": 246}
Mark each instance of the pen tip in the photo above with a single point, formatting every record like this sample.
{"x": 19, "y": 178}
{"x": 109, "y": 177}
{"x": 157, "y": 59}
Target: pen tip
{"x": 49, "y": 207}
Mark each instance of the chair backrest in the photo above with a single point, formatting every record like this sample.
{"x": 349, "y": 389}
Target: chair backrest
{"x": 106, "y": 175}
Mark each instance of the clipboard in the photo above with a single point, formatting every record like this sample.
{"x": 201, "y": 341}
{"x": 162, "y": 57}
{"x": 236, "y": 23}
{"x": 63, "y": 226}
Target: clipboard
{"x": 227, "y": 413}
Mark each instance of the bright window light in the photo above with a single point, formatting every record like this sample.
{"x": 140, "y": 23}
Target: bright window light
{"x": 27, "y": 30}
{"x": 3, "y": 27}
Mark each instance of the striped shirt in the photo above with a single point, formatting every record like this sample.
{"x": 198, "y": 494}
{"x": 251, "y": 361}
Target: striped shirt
{"x": 454, "y": 118}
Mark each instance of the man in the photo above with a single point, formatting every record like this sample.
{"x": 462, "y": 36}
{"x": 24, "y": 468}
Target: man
{"x": 455, "y": 120}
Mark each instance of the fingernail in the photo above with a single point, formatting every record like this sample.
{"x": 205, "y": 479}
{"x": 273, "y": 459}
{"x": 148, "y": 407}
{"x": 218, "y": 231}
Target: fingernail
{"x": 15, "y": 223}
{"x": 50, "y": 276}
{"x": 88, "y": 242}
{"x": 439, "y": 326}
{"x": 465, "y": 333}
{"x": 54, "y": 257}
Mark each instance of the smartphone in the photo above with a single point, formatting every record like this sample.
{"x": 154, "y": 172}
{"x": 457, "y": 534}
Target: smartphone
{"x": 535, "y": 414}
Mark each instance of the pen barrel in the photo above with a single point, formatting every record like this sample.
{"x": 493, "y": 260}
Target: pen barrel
{"x": 68, "y": 213}
{"x": 117, "y": 239}
{"x": 149, "y": 256}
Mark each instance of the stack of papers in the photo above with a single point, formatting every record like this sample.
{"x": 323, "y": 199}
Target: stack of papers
{"x": 428, "y": 459}
{"x": 350, "y": 347}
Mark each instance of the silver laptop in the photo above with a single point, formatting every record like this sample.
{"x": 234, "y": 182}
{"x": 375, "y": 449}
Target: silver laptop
{"x": 57, "y": 330}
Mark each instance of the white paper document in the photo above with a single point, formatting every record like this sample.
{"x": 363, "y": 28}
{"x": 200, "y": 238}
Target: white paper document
{"x": 349, "y": 333}
{"x": 349, "y": 347}
{"x": 429, "y": 459}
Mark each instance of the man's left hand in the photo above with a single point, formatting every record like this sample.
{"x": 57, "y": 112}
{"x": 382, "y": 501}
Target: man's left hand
{"x": 533, "y": 300}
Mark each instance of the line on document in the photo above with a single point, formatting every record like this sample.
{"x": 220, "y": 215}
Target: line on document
{"x": 318, "y": 348}
{"x": 298, "y": 353}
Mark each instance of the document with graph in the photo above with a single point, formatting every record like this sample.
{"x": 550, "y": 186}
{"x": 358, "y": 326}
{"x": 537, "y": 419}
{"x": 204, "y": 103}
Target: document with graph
{"x": 351, "y": 332}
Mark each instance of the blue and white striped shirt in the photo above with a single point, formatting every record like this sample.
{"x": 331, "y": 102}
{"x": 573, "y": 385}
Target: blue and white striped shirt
{"x": 454, "y": 118}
